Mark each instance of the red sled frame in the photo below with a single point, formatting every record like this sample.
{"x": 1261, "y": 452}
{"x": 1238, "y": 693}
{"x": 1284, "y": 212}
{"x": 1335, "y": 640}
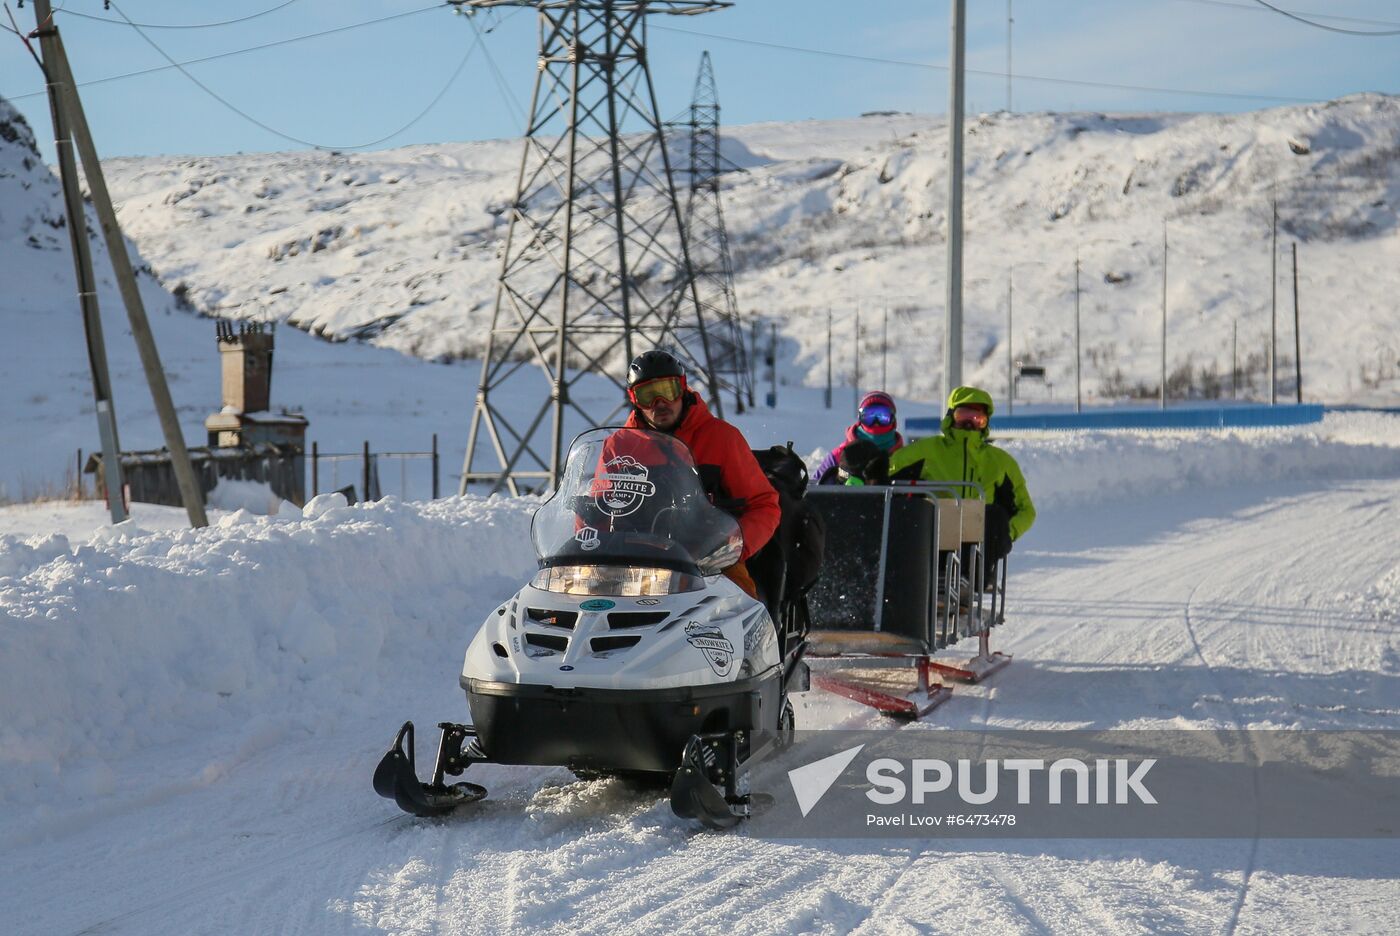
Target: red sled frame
{"x": 926, "y": 697}
{"x": 944, "y": 624}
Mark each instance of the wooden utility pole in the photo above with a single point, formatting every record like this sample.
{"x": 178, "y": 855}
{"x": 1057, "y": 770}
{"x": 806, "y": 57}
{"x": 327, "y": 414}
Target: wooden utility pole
{"x": 1273, "y": 308}
{"x": 1010, "y": 378}
{"x": 190, "y": 492}
{"x": 82, "y": 263}
{"x": 885, "y": 349}
{"x": 1162, "y": 391}
{"x": 773, "y": 359}
{"x": 828, "y": 357}
{"x": 1297, "y": 337}
{"x": 855, "y": 379}
{"x": 1234, "y": 359}
{"x": 1078, "y": 394}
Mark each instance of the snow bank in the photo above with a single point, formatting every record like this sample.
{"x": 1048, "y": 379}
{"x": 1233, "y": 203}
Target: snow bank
{"x": 134, "y": 640}
{"x": 252, "y": 496}
{"x": 1063, "y": 469}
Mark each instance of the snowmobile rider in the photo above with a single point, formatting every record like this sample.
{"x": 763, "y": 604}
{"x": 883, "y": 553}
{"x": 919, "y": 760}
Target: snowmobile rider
{"x": 661, "y": 400}
{"x": 961, "y": 452}
{"x": 877, "y": 423}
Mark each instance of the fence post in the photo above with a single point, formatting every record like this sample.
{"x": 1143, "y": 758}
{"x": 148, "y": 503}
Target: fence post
{"x": 78, "y": 478}
{"x": 436, "y": 463}
{"x": 315, "y": 469}
{"x": 364, "y": 495}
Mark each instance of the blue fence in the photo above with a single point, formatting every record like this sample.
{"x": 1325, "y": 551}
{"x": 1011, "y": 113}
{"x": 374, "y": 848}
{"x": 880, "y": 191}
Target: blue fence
{"x": 1176, "y": 417}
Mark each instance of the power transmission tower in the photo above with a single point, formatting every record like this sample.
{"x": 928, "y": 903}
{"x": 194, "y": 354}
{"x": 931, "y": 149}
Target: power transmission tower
{"x": 595, "y": 265}
{"x": 709, "y": 242}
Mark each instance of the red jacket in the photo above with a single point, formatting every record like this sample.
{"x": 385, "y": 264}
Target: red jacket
{"x": 715, "y": 442}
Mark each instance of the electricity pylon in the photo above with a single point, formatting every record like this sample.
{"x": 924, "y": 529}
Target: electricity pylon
{"x": 709, "y": 242}
{"x": 595, "y": 266}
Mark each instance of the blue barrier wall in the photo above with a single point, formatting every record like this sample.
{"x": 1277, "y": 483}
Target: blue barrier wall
{"x": 1183, "y": 417}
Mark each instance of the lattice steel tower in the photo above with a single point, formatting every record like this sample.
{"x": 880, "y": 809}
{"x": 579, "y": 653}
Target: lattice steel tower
{"x": 595, "y": 266}
{"x": 709, "y": 243}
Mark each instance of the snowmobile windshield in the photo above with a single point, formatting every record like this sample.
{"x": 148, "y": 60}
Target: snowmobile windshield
{"x": 633, "y": 497}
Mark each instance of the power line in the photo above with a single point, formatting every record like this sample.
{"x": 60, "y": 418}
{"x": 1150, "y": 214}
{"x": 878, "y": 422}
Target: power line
{"x": 1335, "y": 29}
{"x": 243, "y": 51}
{"x": 241, "y": 19}
{"x": 286, "y": 136}
{"x": 497, "y": 76}
{"x": 1251, "y": 8}
{"x": 1020, "y": 76}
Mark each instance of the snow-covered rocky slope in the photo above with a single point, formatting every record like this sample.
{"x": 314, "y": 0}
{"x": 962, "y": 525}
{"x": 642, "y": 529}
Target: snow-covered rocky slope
{"x": 402, "y": 245}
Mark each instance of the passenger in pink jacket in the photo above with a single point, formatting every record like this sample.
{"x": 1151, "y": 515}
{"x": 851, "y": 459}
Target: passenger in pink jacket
{"x": 876, "y": 423}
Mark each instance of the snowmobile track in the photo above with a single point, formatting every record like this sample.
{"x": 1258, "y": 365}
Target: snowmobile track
{"x": 1247, "y": 872}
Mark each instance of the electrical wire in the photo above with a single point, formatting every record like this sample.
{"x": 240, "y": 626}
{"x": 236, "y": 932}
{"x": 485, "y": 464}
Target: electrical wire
{"x": 1335, "y": 29}
{"x": 496, "y": 74}
{"x": 1020, "y": 76}
{"x": 257, "y": 48}
{"x": 241, "y": 19}
{"x": 24, "y": 38}
{"x": 1250, "y": 7}
{"x": 286, "y": 136}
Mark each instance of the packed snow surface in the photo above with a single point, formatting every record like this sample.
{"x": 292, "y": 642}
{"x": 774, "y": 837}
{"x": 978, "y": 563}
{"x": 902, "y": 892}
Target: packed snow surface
{"x": 192, "y": 717}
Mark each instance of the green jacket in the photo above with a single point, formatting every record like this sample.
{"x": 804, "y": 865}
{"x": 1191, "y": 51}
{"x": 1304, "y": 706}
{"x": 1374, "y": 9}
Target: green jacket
{"x": 966, "y": 455}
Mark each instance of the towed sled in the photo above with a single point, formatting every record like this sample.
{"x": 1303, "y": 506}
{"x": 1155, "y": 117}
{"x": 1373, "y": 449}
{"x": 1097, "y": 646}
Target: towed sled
{"x": 907, "y": 579}
{"x": 628, "y": 653}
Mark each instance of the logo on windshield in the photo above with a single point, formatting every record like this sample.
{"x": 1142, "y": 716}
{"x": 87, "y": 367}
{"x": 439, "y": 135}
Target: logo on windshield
{"x": 587, "y": 538}
{"x": 624, "y": 486}
{"x": 718, "y": 651}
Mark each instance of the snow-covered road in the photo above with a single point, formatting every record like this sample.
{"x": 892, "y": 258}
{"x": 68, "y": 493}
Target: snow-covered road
{"x": 1264, "y": 606}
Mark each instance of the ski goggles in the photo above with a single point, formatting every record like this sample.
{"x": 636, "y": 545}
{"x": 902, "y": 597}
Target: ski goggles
{"x": 877, "y": 417}
{"x": 970, "y": 417}
{"x": 647, "y": 393}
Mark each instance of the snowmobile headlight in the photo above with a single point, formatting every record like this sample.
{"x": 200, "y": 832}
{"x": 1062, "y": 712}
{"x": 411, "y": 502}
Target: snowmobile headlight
{"x": 618, "y": 581}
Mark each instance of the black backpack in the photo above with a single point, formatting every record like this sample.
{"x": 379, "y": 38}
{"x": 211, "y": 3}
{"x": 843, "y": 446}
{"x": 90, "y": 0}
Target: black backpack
{"x": 799, "y": 544}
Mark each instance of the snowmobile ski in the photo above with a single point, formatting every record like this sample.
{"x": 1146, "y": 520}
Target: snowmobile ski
{"x": 396, "y": 777}
{"x": 712, "y": 784}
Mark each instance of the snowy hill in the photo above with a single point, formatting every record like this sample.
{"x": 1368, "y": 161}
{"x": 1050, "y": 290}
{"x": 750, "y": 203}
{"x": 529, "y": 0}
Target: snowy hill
{"x": 402, "y": 246}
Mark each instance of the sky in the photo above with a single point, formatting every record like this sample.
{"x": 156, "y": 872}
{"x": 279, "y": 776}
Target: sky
{"x": 362, "y": 85}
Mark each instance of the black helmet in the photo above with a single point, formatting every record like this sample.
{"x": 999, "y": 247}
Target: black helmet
{"x": 650, "y": 365}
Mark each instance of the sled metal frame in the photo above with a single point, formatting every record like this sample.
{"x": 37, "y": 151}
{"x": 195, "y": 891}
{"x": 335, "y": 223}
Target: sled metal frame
{"x": 927, "y": 694}
{"x": 926, "y": 697}
{"x": 947, "y": 620}
{"x": 978, "y": 619}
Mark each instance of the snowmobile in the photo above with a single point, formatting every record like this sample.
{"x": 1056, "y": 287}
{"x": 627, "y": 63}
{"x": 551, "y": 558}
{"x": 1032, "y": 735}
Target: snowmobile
{"x": 628, "y": 653}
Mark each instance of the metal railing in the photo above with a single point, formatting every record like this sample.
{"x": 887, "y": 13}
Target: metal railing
{"x": 365, "y": 475}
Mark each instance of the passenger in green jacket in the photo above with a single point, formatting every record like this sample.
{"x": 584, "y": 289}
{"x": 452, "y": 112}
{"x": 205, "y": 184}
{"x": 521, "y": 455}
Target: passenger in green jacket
{"x": 962, "y": 453}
